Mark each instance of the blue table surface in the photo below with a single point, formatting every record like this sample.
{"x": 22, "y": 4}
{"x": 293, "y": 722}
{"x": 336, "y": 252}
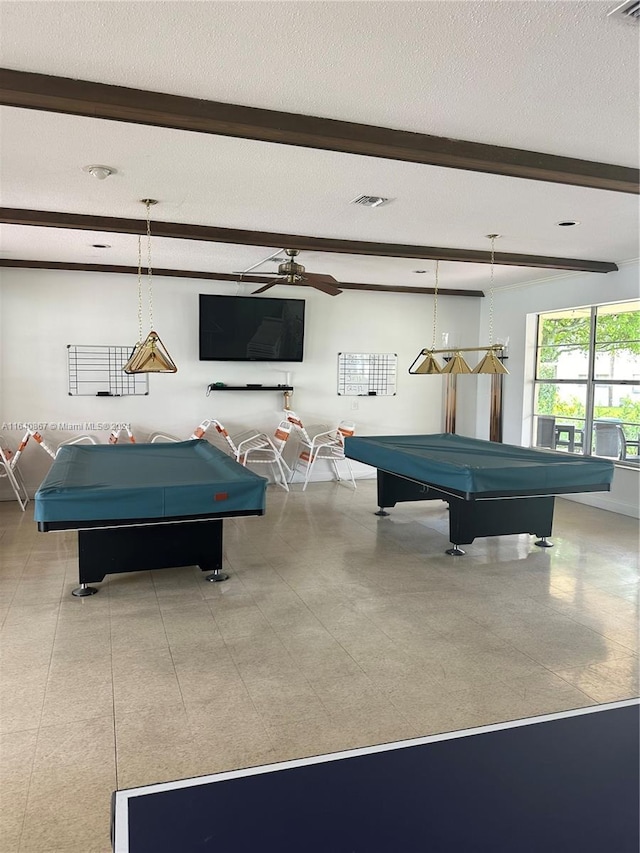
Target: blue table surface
{"x": 472, "y": 465}
{"x": 186, "y": 478}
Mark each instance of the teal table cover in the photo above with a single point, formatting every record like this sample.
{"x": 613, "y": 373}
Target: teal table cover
{"x": 473, "y": 466}
{"x": 145, "y": 481}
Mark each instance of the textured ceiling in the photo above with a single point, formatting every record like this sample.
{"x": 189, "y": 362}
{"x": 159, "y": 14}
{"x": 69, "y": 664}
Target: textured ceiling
{"x": 558, "y": 78}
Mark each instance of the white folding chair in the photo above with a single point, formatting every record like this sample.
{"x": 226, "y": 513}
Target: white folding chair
{"x": 9, "y": 470}
{"x": 30, "y": 433}
{"x": 256, "y": 448}
{"x": 116, "y": 433}
{"x": 327, "y": 445}
{"x": 156, "y": 437}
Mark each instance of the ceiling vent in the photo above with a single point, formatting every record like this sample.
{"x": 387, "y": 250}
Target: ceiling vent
{"x": 370, "y": 200}
{"x": 628, "y": 11}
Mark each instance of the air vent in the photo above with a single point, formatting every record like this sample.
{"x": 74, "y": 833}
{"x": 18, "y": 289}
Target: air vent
{"x": 370, "y": 200}
{"x": 628, "y": 11}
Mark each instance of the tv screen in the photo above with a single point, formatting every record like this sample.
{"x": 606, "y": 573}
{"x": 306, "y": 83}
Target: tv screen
{"x": 251, "y": 328}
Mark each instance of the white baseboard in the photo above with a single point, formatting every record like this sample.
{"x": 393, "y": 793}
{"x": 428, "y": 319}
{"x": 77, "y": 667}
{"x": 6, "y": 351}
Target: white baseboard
{"x": 601, "y": 501}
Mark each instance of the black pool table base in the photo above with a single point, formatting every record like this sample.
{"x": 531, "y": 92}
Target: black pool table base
{"x": 118, "y": 549}
{"x": 476, "y": 517}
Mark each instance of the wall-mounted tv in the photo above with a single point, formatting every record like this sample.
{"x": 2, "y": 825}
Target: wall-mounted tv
{"x": 251, "y": 328}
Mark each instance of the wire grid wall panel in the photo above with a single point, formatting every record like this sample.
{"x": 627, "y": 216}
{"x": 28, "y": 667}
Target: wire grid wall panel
{"x": 367, "y": 374}
{"x": 96, "y": 371}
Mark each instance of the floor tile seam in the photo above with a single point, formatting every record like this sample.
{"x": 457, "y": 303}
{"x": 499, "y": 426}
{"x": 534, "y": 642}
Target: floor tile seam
{"x": 589, "y": 696}
{"x": 551, "y": 672}
{"x": 599, "y": 633}
{"x": 253, "y": 704}
{"x": 35, "y": 751}
{"x": 302, "y": 602}
{"x": 44, "y": 692}
{"x": 113, "y": 700}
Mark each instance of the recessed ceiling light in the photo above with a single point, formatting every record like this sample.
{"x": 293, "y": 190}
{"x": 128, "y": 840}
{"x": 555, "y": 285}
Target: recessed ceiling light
{"x": 100, "y": 172}
{"x": 567, "y": 223}
{"x": 370, "y": 200}
{"x": 101, "y": 245}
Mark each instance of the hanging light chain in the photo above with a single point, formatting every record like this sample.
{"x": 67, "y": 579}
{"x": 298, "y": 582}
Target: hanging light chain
{"x": 148, "y": 203}
{"x": 139, "y": 289}
{"x": 492, "y": 237}
{"x": 435, "y": 309}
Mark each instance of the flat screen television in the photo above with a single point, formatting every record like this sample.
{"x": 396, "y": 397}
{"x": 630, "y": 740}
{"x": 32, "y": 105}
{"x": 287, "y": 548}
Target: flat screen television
{"x": 251, "y": 328}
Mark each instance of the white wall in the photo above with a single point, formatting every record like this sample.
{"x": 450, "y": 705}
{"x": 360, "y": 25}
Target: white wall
{"x": 514, "y": 310}
{"x": 43, "y": 311}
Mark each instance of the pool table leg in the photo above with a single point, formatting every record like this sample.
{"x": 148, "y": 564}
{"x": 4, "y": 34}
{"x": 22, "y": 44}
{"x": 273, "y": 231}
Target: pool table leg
{"x": 83, "y": 590}
{"x": 216, "y": 576}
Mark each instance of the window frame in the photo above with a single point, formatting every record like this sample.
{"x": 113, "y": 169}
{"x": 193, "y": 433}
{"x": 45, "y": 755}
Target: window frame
{"x": 591, "y": 382}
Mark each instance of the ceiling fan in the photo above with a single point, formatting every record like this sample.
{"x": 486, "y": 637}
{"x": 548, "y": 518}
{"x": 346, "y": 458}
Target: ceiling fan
{"x": 290, "y": 272}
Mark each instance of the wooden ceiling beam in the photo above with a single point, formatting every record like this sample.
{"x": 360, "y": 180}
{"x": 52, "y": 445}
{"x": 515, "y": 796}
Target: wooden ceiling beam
{"x": 22, "y": 263}
{"x": 212, "y": 234}
{"x": 138, "y": 106}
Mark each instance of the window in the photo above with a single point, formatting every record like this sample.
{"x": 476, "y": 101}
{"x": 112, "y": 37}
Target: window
{"x": 587, "y": 381}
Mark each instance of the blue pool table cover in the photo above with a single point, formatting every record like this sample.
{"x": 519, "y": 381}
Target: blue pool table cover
{"x": 474, "y": 466}
{"x": 146, "y": 481}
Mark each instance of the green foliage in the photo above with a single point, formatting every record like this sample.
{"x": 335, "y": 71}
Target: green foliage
{"x": 628, "y": 412}
{"x": 613, "y": 331}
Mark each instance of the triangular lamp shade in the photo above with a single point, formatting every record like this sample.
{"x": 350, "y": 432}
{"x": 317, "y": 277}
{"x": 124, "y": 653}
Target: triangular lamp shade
{"x": 150, "y": 357}
{"x": 457, "y": 365}
{"x": 429, "y": 365}
{"x": 490, "y": 364}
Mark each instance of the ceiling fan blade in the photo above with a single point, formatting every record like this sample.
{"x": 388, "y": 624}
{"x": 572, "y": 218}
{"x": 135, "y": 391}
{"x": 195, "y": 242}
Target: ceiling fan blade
{"x": 323, "y": 276}
{"x": 323, "y": 283}
{"x": 267, "y": 286}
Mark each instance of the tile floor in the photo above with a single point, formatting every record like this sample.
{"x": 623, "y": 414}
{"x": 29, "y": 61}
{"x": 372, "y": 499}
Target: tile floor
{"x": 336, "y": 630}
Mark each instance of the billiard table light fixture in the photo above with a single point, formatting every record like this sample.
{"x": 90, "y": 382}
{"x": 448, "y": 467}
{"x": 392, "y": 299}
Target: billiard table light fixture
{"x": 150, "y": 355}
{"x": 456, "y": 365}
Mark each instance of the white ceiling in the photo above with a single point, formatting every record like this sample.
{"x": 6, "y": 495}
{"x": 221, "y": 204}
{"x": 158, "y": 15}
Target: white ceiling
{"x": 554, "y": 77}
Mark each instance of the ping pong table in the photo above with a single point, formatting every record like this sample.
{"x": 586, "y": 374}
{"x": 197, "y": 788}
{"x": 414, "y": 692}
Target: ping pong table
{"x": 565, "y": 783}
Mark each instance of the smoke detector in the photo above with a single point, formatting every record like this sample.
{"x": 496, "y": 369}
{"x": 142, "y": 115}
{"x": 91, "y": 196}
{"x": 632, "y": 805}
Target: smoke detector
{"x": 100, "y": 172}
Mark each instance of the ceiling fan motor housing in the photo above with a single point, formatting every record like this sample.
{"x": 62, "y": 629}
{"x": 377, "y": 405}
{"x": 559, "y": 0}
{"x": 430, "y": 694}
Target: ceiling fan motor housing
{"x": 292, "y": 270}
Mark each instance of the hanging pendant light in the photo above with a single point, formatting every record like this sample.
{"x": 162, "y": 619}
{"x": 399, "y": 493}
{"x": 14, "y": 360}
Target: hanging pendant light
{"x": 150, "y": 355}
{"x": 429, "y": 365}
{"x": 457, "y": 365}
{"x": 490, "y": 363}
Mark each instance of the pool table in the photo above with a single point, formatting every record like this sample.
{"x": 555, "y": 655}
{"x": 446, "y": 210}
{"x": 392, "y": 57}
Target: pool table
{"x": 492, "y": 489}
{"x": 146, "y": 506}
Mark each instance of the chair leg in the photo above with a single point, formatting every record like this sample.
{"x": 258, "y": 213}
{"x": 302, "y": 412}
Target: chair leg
{"x": 353, "y": 479}
{"x": 17, "y": 484}
{"x": 282, "y": 482}
{"x": 293, "y": 470}
{"x": 310, "y": 464}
